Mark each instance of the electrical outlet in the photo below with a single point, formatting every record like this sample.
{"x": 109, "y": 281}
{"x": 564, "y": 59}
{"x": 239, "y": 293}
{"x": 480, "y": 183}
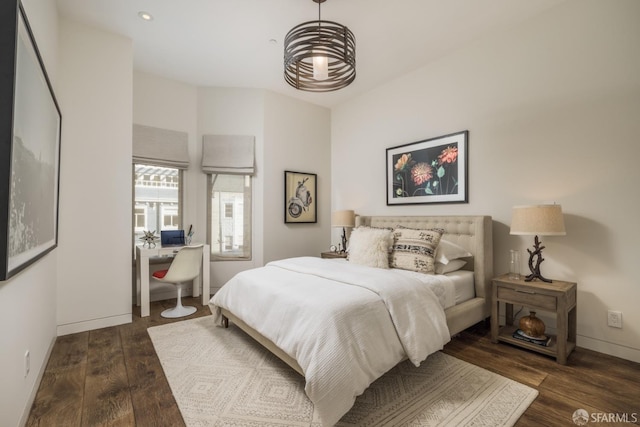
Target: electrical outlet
{"x": 614, "y": 319}
{"x": 27, "y": 363}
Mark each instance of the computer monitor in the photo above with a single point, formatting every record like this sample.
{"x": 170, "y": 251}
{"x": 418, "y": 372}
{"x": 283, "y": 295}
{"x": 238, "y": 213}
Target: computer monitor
{"x": 172, "y": 237}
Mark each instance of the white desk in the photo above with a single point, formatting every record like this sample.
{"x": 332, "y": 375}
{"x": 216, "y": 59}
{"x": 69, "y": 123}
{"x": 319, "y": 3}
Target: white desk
{"x": 142, "y": 274}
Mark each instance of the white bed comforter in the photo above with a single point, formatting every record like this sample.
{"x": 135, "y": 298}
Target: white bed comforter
{"x": 345, "y": 325}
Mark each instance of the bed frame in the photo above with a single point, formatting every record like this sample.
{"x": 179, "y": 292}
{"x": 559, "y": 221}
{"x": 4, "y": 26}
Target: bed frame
{"x": 474, "y": 233}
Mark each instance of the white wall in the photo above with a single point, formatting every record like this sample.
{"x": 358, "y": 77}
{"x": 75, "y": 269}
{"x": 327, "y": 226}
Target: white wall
{"x": 169, "y": 104}
{"x": 94, "y": 256}
{"x": 297, "y": 138}
{"x": 27, "y": 300}
{"x": 552, "y": 109}
{"x": 233, "y": 111}
{"x": 27, "y": 323}
{"x": 290, "y": 135}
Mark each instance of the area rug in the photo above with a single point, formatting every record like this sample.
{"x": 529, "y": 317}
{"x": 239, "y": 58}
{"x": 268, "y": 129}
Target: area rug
{"x": 222, "y": 377}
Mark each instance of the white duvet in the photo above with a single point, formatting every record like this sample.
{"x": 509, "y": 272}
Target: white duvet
{"x": 344, "y": 324}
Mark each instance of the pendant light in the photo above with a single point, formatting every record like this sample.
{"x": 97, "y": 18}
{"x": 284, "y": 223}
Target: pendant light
{"x": 319, "y": 56}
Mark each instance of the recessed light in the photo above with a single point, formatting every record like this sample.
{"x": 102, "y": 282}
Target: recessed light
{"x": 145, "y": 16}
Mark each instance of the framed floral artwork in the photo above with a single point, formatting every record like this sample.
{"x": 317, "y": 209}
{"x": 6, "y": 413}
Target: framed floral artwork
{"x": 429, "y": 171}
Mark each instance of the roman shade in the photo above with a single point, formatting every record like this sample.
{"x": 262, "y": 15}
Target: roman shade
{"x": 228, "y": 154}
{"x": 161, "y": 147}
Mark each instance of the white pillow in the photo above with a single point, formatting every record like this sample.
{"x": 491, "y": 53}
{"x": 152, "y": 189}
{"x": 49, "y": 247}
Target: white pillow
{"x": 370, "y": 246}
{"x": 453, "y": 265}
{"x": 448, "y": 251}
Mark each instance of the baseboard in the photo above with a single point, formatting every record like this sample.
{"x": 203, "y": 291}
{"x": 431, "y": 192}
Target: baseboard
{"x": 36, "y": 385}
{"x": 606, "y": 347}
{"x": 165, "y": 292}
{"x": 89, "y": 325}
{"x": 159, "y": 295}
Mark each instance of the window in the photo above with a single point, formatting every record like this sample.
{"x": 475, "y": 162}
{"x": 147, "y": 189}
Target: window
{"x": 229, "y": 209}
{"x": 170, "y": 218}
{"x": 140, "y": 218}
{"x": 157, "y": 199}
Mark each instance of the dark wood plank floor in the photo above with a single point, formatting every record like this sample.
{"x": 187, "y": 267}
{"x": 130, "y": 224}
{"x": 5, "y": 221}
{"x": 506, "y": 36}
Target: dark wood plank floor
{"x": 112, "y": 377}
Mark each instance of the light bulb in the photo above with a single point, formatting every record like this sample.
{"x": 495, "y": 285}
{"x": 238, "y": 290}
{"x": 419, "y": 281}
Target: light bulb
{"x": 320, "y": 68}
{"x": 145, "y": 15}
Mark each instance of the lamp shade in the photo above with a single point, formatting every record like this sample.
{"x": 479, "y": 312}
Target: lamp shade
{"x": 538, "y": 220}
{"x": 343, "y": 219}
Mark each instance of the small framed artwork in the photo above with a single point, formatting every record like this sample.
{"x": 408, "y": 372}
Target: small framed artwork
{"x": 429, "y": 171}
{"x": 300, "y": 202}
{"x": 30, "y": 126}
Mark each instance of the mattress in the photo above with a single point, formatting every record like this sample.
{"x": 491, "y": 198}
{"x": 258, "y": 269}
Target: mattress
{"x": 463, "y": 285}
{"x": 460, "y": 288}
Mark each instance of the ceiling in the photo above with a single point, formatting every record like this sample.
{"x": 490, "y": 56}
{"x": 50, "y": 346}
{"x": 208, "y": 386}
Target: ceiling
{"x": 239, "y": 43}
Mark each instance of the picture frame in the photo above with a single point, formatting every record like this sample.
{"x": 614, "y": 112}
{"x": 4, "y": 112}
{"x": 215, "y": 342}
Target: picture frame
{"x": 30, "y": 134}
{"x": 430, "y": 171}
{"x": 300, "y": 201}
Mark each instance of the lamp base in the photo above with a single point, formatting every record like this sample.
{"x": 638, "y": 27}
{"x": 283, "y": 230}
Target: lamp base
{"x": 532, "y": 277}
{"x": 344, "y": 240}
{"x": 535, "y": 259}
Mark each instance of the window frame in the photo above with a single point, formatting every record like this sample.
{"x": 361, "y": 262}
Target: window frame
{"x": 135, "y": 215}
{"x": 249, "y": 211}
{"x": 167, "y": 211}
{"x": 134, "y": 203}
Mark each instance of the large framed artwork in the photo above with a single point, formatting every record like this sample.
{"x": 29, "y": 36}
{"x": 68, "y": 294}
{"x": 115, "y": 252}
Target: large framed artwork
{"x": 30, "y": 131}
{"x": 300, "y": 202}
{"x": 429, "y": 171}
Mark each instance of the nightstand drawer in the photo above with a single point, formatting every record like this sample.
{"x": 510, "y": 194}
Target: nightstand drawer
{"x": 530, "y": 298}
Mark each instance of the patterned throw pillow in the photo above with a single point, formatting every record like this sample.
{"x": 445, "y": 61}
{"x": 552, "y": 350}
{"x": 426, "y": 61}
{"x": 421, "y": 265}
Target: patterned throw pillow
{"x": 415, "y": 249}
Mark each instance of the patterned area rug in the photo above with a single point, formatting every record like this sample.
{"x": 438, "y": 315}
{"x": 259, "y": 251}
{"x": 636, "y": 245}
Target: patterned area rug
{"x": 221, "y": 377}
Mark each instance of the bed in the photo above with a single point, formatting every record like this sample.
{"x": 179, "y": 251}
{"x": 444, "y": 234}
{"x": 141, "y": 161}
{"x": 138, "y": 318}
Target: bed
{"x": 341, "y": 354}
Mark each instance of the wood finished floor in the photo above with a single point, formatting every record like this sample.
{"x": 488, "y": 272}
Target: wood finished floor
{"x": 112, "y": 377}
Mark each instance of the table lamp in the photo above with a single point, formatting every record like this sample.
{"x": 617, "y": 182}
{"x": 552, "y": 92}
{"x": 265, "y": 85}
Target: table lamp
{"x": 537, "y": 220}
{"x": 344, "y": 219}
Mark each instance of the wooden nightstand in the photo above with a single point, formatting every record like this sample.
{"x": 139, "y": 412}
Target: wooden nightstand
{"x": 557, "y": 297}
{"x": 333, "y": 255}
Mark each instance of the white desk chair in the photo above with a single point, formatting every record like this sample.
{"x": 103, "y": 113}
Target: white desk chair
{"x": 184, "y": 268}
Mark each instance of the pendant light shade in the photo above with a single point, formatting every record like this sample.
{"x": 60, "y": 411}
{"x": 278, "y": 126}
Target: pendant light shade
{"x": 319, "y": 56}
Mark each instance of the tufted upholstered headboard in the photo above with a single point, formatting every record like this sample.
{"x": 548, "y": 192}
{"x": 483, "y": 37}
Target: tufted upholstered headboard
{"x": 472, "y": 232}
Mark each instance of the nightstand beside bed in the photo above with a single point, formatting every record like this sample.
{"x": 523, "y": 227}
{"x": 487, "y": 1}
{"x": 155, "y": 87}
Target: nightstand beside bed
{"x": 333, "y": 255}
{"x": 557, "y": 297}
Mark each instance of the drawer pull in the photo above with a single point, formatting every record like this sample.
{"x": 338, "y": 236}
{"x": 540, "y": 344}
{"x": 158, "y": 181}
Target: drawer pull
{"x": 525, "y": 292}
